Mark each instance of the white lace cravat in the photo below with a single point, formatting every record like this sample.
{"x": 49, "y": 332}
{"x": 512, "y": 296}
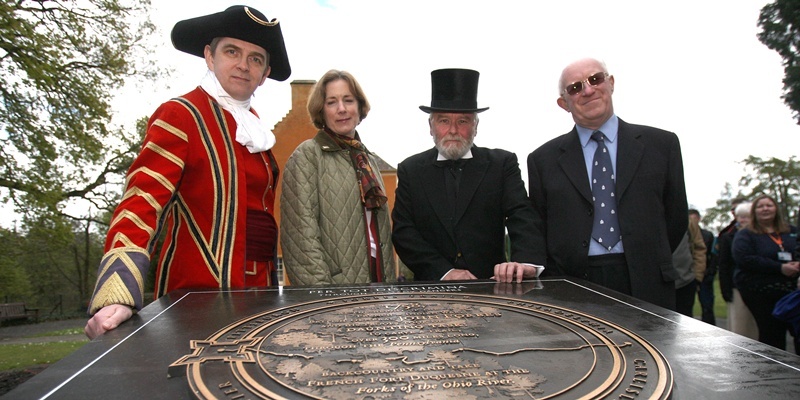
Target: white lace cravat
{"x": 250, "y": 130}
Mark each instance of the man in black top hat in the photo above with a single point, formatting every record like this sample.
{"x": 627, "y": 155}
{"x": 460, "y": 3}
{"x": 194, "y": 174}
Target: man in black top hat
{"x": 205, "y": 175}
{"x": 455, "y": 201}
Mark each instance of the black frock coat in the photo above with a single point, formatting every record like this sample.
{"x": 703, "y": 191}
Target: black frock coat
{"x": 430, "y": 235}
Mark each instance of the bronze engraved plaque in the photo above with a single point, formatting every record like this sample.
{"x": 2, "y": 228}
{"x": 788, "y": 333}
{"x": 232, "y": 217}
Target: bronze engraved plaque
{"x": 424, "y": 346}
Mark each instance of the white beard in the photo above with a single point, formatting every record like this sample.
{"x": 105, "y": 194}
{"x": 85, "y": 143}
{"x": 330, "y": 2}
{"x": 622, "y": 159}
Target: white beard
{"x": 453, "y": 151}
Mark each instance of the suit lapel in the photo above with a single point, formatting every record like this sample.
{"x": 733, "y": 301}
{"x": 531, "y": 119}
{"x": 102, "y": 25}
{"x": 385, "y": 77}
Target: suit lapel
{"x": 471, "y": 177}
{"x": 629, "y": 155}
{"x": 573, "y": 164}
{"x": 434, "y": 188}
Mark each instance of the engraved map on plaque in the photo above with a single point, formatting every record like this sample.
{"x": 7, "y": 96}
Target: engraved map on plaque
{"x": 424, "y": 346}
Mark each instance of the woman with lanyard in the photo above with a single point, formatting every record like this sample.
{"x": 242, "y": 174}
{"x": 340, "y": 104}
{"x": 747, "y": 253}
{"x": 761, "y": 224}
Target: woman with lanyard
{"x": 766, "y": 268}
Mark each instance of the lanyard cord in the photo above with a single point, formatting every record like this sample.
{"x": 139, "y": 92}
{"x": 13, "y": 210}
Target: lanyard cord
{"x": 777, "y": 239}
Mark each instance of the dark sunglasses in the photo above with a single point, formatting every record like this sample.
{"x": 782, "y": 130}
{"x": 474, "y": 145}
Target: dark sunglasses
{"x": 577, "y": 87}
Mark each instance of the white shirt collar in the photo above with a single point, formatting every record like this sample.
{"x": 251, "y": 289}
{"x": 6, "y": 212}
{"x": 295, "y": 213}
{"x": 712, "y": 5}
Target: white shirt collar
{"x": 440, "y": 157}
{"x": 251, "y": 131}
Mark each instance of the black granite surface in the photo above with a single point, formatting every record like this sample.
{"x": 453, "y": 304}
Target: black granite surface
{"x": 132, "y": 362}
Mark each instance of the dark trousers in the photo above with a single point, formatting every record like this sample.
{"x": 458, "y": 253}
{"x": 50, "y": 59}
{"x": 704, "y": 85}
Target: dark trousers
{"x": 706, "y": 298}
{"x": 611, "y": 271}
{"x": 684, "y": 299}
{"x": 771, "y": 330}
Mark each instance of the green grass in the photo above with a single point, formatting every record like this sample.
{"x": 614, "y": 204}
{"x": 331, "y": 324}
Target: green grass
{"x": 20, "y": 356}
{"x": 63, "y": 332}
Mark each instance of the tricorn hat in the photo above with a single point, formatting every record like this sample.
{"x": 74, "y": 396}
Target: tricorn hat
{"x": 238, "y": 22}
{"x": 454, "y": 90}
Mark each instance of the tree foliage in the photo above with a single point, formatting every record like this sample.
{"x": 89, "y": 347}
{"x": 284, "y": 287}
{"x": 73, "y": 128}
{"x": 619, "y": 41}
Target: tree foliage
{"x": 775, "y": 177}
{"x": 61, "y": 62}
{"x": 14, "y": 280}
{"x": 61, "y": 65}
{"x": 51, "y": 266}
{"x": 780, "y": 31}
{"x": 63, "y": 257}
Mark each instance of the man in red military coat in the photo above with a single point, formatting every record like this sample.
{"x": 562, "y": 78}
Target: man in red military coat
{"x": 205, "y": 176}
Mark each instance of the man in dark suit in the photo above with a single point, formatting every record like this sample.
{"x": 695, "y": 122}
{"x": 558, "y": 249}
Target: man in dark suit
{"x": 643, "y": 215}
{"x": 455, "y": 202}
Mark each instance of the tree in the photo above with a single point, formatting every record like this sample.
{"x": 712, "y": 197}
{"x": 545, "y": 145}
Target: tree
{"x": 14, "y": 281}
{"x": 775, "y": 177}
{"x": 780, "y": 31}
{"x": 60, "y": 63}
{"x": 63, "y": 257}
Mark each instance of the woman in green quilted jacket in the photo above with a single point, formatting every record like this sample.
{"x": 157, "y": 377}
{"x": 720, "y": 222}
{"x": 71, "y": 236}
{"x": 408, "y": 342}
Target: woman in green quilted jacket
{"x": 335, "y": 225}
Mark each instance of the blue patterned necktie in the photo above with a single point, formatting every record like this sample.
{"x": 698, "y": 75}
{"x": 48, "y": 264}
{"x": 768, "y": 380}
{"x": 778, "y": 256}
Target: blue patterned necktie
{"x": 606, "y": 224}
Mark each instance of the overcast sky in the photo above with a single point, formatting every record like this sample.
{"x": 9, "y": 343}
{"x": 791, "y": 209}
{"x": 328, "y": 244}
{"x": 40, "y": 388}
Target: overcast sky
{"x": 692, "y": 67}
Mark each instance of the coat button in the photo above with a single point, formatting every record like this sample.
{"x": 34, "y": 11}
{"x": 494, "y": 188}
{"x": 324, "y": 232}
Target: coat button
{"x": 585, "y": 243}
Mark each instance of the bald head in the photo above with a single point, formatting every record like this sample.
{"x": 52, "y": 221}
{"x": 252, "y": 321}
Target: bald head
{"x": 591, "y": 86}
{"x": 562, "y": 81}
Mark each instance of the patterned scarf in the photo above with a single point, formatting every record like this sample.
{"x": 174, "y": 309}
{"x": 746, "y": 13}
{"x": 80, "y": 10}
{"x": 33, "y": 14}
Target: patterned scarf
{"x": 372, "y": 195}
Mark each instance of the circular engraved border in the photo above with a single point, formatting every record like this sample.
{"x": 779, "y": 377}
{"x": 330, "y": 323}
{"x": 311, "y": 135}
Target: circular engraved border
{"x": 243, "y": 359}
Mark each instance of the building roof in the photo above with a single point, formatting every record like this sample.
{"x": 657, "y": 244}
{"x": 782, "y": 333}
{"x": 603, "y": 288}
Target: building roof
{"x": 383, "y": 165}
